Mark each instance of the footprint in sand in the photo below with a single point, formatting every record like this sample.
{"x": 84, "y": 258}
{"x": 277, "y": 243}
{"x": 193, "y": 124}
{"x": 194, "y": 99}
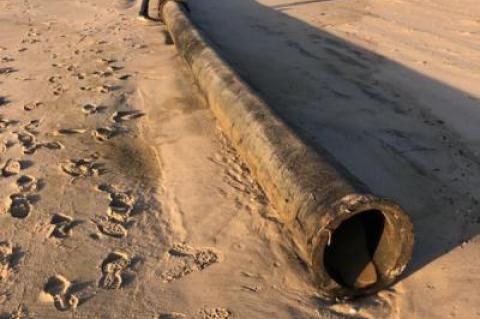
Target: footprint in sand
{"x": 26, "y": 183}
{"x": 71, "y": 131}
{"x": 79, "y": 75}
{"x": 32, "y": 148}
{"x": 110, "y": 227}
{"x": 56, "y": 83}
{"x": 121, "y": 206}
{"x": 121, "y": 203}
{"x": 215, "y": 313}
{"x": 51, "y": 145}
{"x": 103, "y": 74}
{"x": 123, "y": 77}
{"x": 111, "y": 68}
{"x": 32, "y": 127}
{"x": 57, "y": 290}
{"x": 29, "y": 143}
{"x": 20, "y": 313}
{"x": 6, "y": 123}
{"x": 4, "y": 100}
{"x": 58, "y": 89}
{"x": 20, "y": 205}
{"x": 106, "y": 88}
{"x": 61, "y": 226}
{"x": 82, "y": 168}
{"x": 26, "y": 139}
{"x": 107, "y": 60}
{"x": 32, "y": 106}
{"x": 9, "y": 258}
{"x": 114, "y": 68}
{"x": 9, "y": 143}
{"x": 103, "y": 134}
{"x": 71, "y": 68}
{"x": 90, "y": 109}
{"x": 11, "y": 168}
{"x": 139, "y": 46}
{"x": 112, "y": 268}
{"x": 122, "y": 116}
{"x": 183, "y": 260}
{"x": 55, "y": 79}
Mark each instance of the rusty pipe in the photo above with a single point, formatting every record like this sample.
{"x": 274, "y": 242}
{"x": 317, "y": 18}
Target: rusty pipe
{"x": 354, "y": 242}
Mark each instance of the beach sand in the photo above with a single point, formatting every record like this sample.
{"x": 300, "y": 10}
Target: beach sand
{"x": 120, "y": 197}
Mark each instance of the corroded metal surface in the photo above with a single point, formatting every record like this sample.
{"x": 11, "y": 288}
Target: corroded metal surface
{"x": 354, "y": 242}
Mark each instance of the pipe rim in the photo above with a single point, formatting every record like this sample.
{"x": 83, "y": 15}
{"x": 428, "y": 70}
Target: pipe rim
{"x": 345, "y": 209}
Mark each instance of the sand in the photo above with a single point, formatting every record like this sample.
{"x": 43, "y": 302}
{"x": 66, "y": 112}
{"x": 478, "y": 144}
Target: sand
{"x": 120, "y": 198}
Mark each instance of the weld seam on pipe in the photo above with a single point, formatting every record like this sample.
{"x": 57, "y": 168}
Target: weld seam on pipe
{"x": 311, "y": 191}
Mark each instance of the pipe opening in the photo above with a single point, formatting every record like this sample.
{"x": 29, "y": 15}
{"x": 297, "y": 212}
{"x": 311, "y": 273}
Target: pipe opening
{"x": 357, "y": 251}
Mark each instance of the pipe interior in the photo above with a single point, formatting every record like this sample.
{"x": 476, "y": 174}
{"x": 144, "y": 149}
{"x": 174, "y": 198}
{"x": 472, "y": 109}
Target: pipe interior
{"x": 358, "y": 249}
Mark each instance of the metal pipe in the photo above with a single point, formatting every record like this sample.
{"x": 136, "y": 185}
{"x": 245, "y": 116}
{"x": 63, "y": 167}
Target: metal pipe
{"x": 353, "y": 242}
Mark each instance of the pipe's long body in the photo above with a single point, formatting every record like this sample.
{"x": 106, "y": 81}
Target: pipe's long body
{"x": 310, "y": 190}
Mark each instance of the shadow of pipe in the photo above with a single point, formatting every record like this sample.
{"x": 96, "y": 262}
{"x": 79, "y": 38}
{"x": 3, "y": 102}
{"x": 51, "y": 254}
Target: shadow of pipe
{"x": 383, "y": 121}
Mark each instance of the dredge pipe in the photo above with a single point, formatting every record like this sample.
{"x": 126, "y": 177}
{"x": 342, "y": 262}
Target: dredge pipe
{"x": 353, "y": 242}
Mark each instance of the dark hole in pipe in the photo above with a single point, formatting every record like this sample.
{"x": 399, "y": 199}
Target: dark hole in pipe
{"x": 350, "y": 257}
